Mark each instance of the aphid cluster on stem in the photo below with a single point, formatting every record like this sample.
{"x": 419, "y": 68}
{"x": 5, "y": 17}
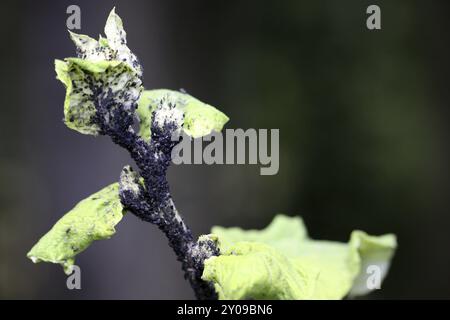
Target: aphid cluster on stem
{"x": 147, "y": 194}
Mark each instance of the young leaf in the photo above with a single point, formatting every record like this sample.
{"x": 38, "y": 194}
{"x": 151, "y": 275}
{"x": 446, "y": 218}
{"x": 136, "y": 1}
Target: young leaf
{"x": 200, "y": 119}
{"x": 117, "y": 41}
{"x": 94, "y": 218}
{"x": 87, "y": 46}
{"x": 282, "y": 262}
{"x": 86, "y": 80}
{"x": 104, "y": 69}
{"x": 112, "y": 48}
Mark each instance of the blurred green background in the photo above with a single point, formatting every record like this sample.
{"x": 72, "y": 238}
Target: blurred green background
{"x": 363, "y": 119}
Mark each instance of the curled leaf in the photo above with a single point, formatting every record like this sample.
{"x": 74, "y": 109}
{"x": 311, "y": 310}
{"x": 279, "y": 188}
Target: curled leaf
{"x": 253, "y": 270}
{"x": 112, "y": 48}
{"x": 117, "y": 41}
{"x": 85, "y": 81}
{"x": 92, "y": 219}
{"x": 87, "y": 47}
{"x": 104, "y": 70}
{"x": 200, "y": 119}
{"x": 282, "y": 262}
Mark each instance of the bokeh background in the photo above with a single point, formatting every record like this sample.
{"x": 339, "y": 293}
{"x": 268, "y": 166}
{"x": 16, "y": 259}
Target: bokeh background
{"x": 363, "y": 118}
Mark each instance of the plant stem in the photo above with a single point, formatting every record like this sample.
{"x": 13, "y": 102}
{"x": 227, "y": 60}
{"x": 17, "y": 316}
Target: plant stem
{"x": 153, "y": 203}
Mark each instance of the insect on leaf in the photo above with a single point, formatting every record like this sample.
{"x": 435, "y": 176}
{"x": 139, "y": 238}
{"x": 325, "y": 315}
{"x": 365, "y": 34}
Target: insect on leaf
{"x": 94, "y": 218}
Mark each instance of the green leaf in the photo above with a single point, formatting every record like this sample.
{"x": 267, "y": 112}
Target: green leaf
{"x": 81, "y": 77}
{"x": 117, "y": 41}
{"x": 103, "y": 67}
{"x": 282, "y": 262}
{"x": 114, "y": 31}
{"x": 200, "y": 119}
{"x": 283, "y": 233}
{"x": 112, "y": 48}
{"x": 92, "y": 219}
{"x": 373, "y": 251}
{"x": 252, "y": 270}
{"x": 85, "y": 44}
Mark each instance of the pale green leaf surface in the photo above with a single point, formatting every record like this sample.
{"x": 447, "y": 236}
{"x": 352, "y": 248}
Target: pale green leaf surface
{"x": 104, "y": 66}
{"x": 112, "y": 48}
{"x": 320, "y": 269}
{"x": 373, "y": 251}
{"x": 114, "y": 29}
{"x": 84, "y": 43}
{"x": 253, "y": 270}
{"x": 200, "y": 119}
{"x": 94, "y": 218}
{"x": 79, "y": 75}
{"x": 283, "y": 233}
{"x": 117, "y": 41}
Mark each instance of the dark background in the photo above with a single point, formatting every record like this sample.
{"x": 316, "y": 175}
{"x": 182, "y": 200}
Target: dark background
{"x": 363, "y": 119}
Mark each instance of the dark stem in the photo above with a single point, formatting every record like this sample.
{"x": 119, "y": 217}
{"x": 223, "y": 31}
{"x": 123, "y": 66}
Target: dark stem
{"x": 153, "y": 202}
